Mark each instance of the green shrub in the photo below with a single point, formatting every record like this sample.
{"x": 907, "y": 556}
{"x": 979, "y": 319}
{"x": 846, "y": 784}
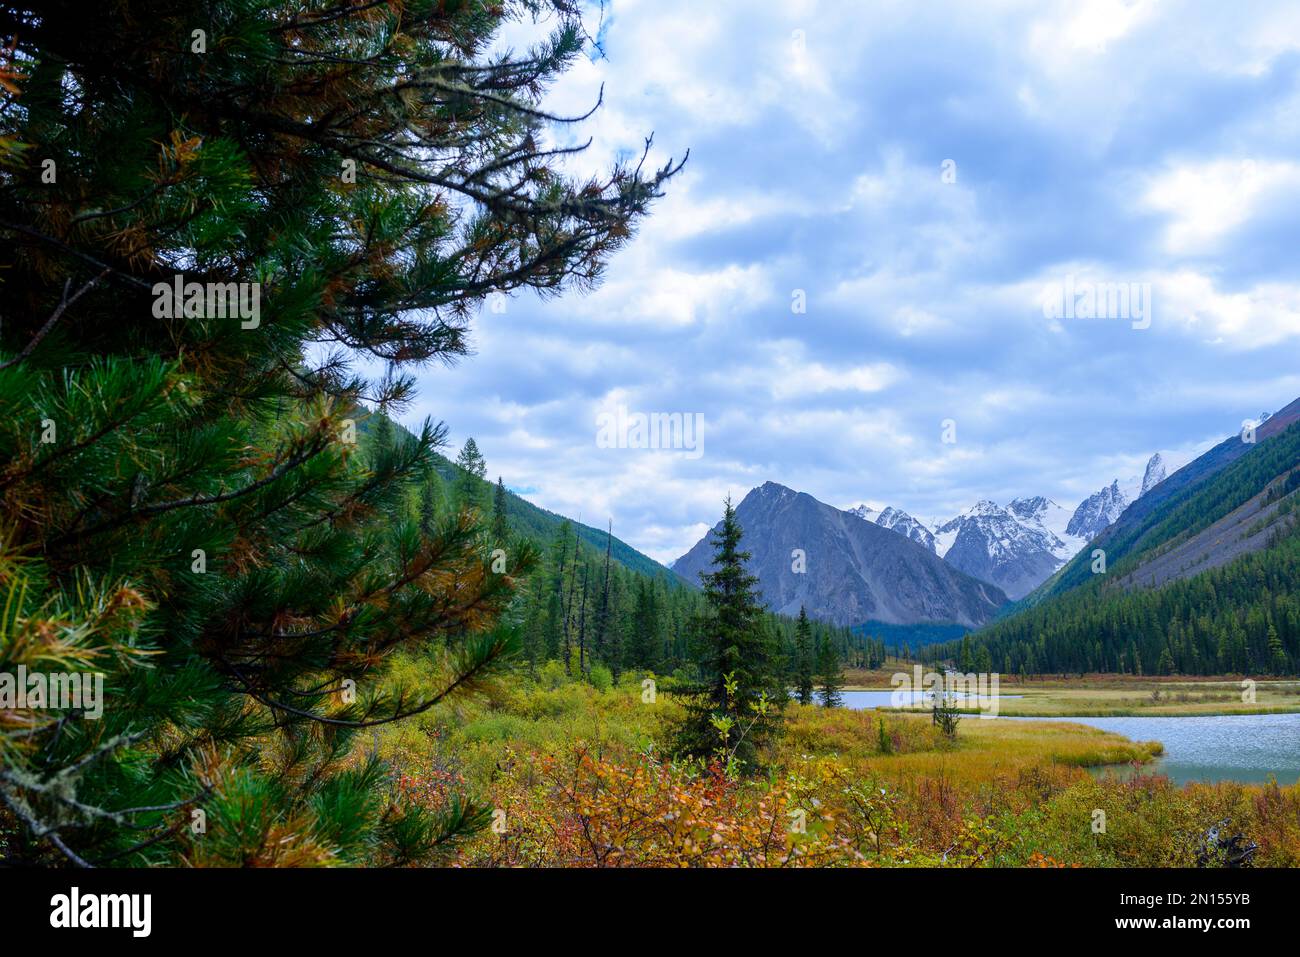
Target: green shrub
{"x": 601, "y": 678}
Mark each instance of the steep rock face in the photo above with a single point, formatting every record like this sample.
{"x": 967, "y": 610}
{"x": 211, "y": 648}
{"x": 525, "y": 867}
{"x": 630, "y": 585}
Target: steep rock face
{"x": 1098, "y": 512}
{"x": 1101, "y": 510}
{"x": 1155, "y": 473}
{"x": 896, "y": 520}
{"x": 1042, "y": 513}
{"x": 853, "y": 570}
{"x": 1009, "y": 547}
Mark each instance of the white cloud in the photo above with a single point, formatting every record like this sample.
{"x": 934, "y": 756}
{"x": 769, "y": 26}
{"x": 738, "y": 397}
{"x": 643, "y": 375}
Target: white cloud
{"x": 1261, "y": 315}
{"x": 1102, "y": 139}
{"x": 1207, "y": 201}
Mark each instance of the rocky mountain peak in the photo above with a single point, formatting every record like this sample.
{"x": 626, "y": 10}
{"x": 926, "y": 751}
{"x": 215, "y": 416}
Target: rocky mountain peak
{"x": 849, "y": 571}
{"x": 896, "y": 520}
{"x": 1098, "y": 512}
{"x": 1155, "y": 473}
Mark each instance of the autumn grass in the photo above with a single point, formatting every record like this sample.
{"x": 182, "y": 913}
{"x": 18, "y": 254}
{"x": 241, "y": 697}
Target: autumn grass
{"x": 1149, "y": 698}
{"x": 522, "y": 717}
{"x": 983, "y": 751}
{"x": 581, "y": 778}
{"x": 1099, "y": 696}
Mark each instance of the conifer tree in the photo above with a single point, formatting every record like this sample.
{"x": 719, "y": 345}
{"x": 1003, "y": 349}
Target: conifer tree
{"x": 472, "y": 470}
{"x": 647, "y": 624}
{"x": 737, "y": 703}
{"x": 830, "y": 678}
{"x": 188, "y": 506}
{"x": 804, "y": 659}
{"x": 555, "y": 611}
{"x": 603, "y": 642}
{"x": 431, "y": 500}
{"x": 1276, "y": 652}
{"x": 500, "y": 520}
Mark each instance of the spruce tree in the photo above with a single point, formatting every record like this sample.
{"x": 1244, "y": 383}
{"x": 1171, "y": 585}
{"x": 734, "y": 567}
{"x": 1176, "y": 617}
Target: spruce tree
{"x": 604, "y": 644}
{"x": 190, "y": 503}
{"x": 804, "y": 658}
{"x": 830, "y": 678}
{"x": 472, "y": 470}
{"x": 500, "y": 520}
{"x": 1276, "y": 652}
{"x": 737, "y": 703}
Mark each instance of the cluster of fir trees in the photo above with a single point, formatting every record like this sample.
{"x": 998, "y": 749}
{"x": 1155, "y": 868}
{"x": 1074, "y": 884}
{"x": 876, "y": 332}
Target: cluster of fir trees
{"x": 817, "y": 666}
{"x": 185, "y": 504}
{"x": 582, "y": 607}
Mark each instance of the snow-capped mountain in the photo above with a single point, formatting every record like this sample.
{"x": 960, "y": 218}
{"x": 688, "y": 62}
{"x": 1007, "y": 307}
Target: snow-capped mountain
{"x": 1154, "y": 475}
{"x": 1019, "y": 545}
{"x": 1053, "y": 519}
{"x": 896, "y": 520}
{"x": 1011, "y": 546}
{"x": 1099, "y": 511}
{"x": 852, "y": 571}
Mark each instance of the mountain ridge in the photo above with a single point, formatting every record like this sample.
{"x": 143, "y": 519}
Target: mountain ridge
{"x": 843, "y": 569}
{"x": 1201, "y": 577}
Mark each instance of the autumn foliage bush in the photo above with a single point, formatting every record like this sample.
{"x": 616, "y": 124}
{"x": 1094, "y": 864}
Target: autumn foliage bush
{"x": 576, "y": 781}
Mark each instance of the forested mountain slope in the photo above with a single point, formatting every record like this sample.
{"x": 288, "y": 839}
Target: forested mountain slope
{"x": 532, "y": 521}
{"x": 1135, "y": 521}
{"x": 542, "y": 525}
{"x": 1206, "y": 579}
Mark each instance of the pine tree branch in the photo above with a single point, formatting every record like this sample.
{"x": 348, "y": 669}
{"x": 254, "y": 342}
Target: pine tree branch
{"x": 39, "y": 830}
{"x": 475, "y": 671}
{"x": 316, "y": 447}
{"x": 54, "y": 318}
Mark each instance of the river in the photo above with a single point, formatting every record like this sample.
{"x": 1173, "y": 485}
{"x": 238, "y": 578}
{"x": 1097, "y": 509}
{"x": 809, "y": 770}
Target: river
{"x": 1250, "y": 748}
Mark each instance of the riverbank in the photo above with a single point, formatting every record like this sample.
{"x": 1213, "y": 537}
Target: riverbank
{"x": 580, "y": 776}
{"x": 1101, "y": 696}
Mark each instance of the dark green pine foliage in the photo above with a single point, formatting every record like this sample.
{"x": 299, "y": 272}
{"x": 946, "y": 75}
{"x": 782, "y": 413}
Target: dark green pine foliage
{"x": 190, "y": 503}
{"x": 472, "y": 467}
{"x": 830, "y": 678}
{"x": 500, "y": 519}
{"x": 737, "y": 703}
{"x": 804, "y": 659}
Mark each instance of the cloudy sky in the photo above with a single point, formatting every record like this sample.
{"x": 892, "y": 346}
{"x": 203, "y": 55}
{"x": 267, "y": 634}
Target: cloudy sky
{"x": 921, "y": 173}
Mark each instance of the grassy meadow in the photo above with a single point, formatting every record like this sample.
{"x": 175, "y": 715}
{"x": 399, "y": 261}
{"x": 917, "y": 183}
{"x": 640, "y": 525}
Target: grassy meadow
{"x": 576, "y": 775}
{"x": 1097, "y": 696}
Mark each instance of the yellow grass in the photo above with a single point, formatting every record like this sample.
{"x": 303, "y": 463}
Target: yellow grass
{"x": 985, "y": 750}
{"x": 1119, "y": 695}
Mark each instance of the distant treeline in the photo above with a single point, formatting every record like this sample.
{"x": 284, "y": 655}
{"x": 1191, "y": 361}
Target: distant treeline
{"x": 1243, "y": 617}
{"x": 592, "y": 601}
